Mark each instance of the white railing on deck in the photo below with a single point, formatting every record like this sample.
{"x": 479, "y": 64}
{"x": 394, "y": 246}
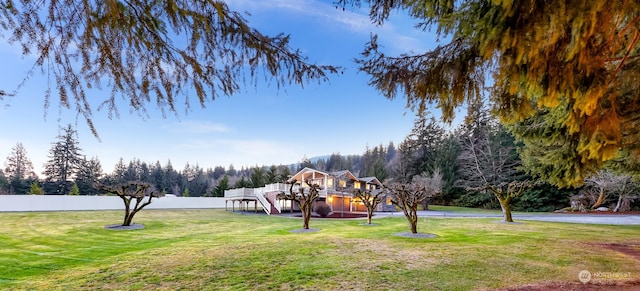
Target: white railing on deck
{"x": 259, "y": 193}
{"x": 239, "y": 193}
{"x": 277, "y": 205}
{"x": 276, "y": 187}
{"x": 280, "y": 187}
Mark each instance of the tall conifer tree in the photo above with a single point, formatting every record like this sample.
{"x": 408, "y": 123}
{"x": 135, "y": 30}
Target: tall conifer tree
{"x": 64, "y": 160}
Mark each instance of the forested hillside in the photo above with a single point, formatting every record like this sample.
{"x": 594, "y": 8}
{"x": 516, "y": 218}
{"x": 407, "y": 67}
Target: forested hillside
{"x": 456, "y": 154}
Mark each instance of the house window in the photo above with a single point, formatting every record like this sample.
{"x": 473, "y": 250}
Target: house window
{"x": 317, "y": 181}
{"x": 356, "y": 185}
{"x": 343, "y": 183}
{"x": 366, "y": 186}
{"x": 388, "y": 200}
{"x": 330, "y": 182}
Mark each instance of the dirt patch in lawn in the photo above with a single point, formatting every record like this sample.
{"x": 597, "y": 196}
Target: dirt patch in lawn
{"x": 577, "y": 286}
{"x": 624, "y": 283}
{"x": 629, "y": 249}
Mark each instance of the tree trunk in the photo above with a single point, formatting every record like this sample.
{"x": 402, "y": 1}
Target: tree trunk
{"x": 369, "y": 214}
{"x": 600, "y": 199}
{"x": 305, "y": 223}
{"x": 127, "y": 211}
{"x": 414, "y": 220}
{"x": 414, "y": 226}
{"x": 506, "y": 209}
{"x": 128, "y": 219}
{"x": 505, "y": 205}
{"x": 306, "y": 215}
{"x": 618, "y": 204}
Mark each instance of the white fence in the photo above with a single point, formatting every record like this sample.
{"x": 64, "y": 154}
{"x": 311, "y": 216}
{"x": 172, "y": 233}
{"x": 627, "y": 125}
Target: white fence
{"x": 64, "y": 203}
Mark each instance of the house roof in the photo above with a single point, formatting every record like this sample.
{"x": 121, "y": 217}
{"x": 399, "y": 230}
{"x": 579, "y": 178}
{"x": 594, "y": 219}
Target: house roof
{"x": 371, "y": 180}
{"x": 345, "y": 173}
{"x": 309, "y": 173}
{"x": 306, "y": 174}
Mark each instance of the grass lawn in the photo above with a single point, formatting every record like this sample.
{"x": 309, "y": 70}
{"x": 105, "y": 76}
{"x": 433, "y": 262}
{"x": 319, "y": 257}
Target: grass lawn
{"x": 214, "y": 249}
{"x": 469, "y": 210}
{"x": 457, "y": 209}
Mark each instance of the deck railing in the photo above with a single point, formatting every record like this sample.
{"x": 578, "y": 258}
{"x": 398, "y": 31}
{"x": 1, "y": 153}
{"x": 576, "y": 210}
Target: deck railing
{"x": 276, "y": 187}
{"x": 259, "y": 194}
{"x": 239, "y": 193}
{"x": 277, "y": 205}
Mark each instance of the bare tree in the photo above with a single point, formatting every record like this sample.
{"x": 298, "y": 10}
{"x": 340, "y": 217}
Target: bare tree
{"x": 304, "y": 200}
{"x": 133, "y": 191}
{"x": 605, "y": 184}
{"x": 408, "y": 196}
{"x": 489, "y": 162}
{"x": 370, "y": 199}
{"x": 598, "y": 186}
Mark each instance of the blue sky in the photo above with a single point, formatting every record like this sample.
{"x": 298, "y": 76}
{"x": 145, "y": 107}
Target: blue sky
{"x": 257, "y": 126}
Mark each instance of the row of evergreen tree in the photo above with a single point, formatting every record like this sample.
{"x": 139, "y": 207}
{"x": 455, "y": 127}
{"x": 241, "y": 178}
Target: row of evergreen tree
{"x": 427, "y": 149}
{"x": 68, "y": 172}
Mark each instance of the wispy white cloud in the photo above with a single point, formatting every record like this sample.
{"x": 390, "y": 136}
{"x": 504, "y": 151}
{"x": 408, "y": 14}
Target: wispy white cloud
{"x": 198, "y": 127}
{"x": 324, "y": 11}
{"x": 405, "y": 44}
{"x": 244, "y": 147}
{"x": 396, "y": 38}
{"x": 241, "y": 152}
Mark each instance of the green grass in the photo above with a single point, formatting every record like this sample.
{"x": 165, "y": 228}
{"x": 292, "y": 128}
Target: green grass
{"x": 457, "y": 209}
{"x": 214, "y": 249}
{"x": 468, "y": 210}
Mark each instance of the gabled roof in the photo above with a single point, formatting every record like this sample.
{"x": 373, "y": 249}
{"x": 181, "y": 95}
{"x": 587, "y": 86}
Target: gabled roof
{"x": 371, "y": 180}
{"x": 306, "y": 174}
{"x": 309, "y": 173}
{"x": 345, "y": 173}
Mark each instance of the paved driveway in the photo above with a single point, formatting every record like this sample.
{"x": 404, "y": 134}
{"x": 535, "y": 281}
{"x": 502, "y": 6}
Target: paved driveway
{"x": 618, "y": 219}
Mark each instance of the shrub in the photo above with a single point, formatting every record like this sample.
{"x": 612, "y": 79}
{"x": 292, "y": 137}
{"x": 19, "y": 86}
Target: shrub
{"x": 75, "y": 191}
{"x": 35, "y": 189}
{"x": 323, "y": 209}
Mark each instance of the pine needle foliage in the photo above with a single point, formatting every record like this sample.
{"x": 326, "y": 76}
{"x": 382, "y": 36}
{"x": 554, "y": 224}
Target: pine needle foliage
{"x": 148, "y": 51}
{"x": 582, "y": 56}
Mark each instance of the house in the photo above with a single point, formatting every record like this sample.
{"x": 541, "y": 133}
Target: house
{"x": 336, "y": 190}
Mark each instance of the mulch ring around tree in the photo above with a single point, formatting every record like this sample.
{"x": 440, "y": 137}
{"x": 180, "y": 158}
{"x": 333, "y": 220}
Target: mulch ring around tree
{"x": 337, "y": 215}
{"x": 416, "y": 235}
{"x": 133, "y": 226}
{"x": 622, "y": 284}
